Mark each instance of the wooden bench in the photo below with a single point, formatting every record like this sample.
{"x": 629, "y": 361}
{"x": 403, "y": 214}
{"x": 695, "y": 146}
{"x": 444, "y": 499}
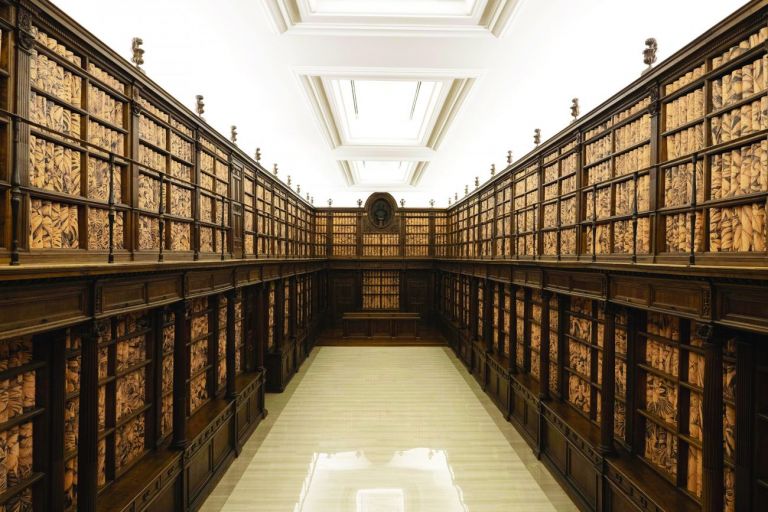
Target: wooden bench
{"x": 380, "y": 324}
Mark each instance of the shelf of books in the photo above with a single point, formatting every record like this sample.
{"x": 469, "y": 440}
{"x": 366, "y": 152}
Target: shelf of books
{"x": 417, "y": 234}
{"x": 21, "y": 405}
{"x": 503, "y": 216}
{"x": 441, "y": 234}
{"x": 715, "y": 155}
{"x": 670, "y": 407}
{"x": 167, "y": 350}
{"x": 521, "y": 341}
{"x": 271, "y": 316}
{"x": 381, "y": 245}
{"x": 280, "y": 219}
{"x": 507, "y": 312}
{"x": 344, "y": 233}
{"x": 560, "y": 219}
{"x": 199, "y": 378}
{"x": 554, "y": 345}
{"x": 480, "y": 317}
{"x": 526, "y": 210}
{"x": 250, "y": 218}
{"x": 486, "y": 212}
{"x": 381, "y": 289}
{"x": 125, "y": 366}
{"x": 264, "y": 225}
{"x": 77, "y": 165}
{"x": 584, "y": 358}
{"x": 220, "y": 364}
{"x": 321, "y": 234}
{"x": 535, "y": 333}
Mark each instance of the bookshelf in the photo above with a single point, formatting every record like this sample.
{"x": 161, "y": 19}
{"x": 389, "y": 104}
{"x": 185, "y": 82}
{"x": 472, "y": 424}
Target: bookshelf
{"x": 381, "y": 290}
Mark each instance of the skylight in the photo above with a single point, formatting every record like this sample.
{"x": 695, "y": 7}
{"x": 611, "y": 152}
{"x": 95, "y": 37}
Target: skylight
{"x": 393, "y": 7}
{"x": 385, "y": 111}
{"x": 382, "y": 172}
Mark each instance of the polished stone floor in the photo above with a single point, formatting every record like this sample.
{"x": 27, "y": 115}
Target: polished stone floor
{"x": 385, "y": 429}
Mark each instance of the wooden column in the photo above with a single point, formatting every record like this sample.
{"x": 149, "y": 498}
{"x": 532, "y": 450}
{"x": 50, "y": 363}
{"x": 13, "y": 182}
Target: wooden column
{"x": 261, "y": 329}
{"x": 544, "y": 348}
{"x": 293, "y": 306}
{"x": 488, "y": 315}
{"x": 180, "y": 374}
{"x": 231, "y": 343}
{"x": 745, "y": 403}
{"x": 712, "y": 445}
{"x": 607, "y": 391}
{"x": 500, "y": 312}
{"x": 88, "y": 427}
{"x": 50, "y": 393}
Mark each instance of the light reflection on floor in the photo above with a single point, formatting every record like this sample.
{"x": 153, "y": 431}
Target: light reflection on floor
{"x": 353, "y": 481}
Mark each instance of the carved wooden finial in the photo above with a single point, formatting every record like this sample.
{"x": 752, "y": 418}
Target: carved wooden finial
{"x": 456, "y": 196}
{"x": 466, "y": 189}
{"x": 359, "y": 203}
{"x": 274, "y": 169}
{"x": 477, "y": 181}
{"x": 330, "y": 202}
{"x": 312, "y": 200}
{"x": 431, "y": 203}
{"x": 138, "y": 52}
{"x": 509, "y": 157}
{"x": 233, "y": 134}
{"x": 307, "y": 196}
{"x": 449, "y": 200}
{"x": 298, "y": 189}
{"x": 493, "y": 170}
{"x": 258, "y": 154}
{"x": 289, "y": 180}
{"x": 402, "y": 203}
{"x": 575, "y": 110}
{"x": 649, "y": 54}
{"x": 537, "y": 136}
{"x": 199, "y": 105}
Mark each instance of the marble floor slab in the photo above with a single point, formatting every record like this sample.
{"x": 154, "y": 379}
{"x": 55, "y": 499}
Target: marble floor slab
{"x": 385, "y": 429}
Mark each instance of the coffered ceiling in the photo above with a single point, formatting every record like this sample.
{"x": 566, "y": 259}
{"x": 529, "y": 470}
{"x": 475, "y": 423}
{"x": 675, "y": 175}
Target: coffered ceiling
{"x": 393, "y": 17}
{"x": 412, "y": 97}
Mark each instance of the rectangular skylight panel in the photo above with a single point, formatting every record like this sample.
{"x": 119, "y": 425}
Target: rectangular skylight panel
{"x": 382, "y": 172}
{"x": 385, "y": 111}
{"x": 393, "y": 7}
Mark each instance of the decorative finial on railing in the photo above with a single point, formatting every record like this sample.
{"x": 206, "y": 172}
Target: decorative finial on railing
{"x": 258, "y": 155}
{"x": 477, "y": 181}
{"x": 449, "y": 200}
{"x": 274, "y": 169}
{"x": 649, "y": 54}
{"x": 402, "y": 203}
{"x": 537, "y": 136}
{"x": 466, "y": 190}
{"x": 307, "y": 196}
{"x": 575, "y": 110}
{"x": 493, "y": 170}
{"x": 312, "y": 200}
{"x": 199, "y": 105}
{"x": 456, "y": 196}
{"x": 138, "y": 53}
{"x": 359, "y": 203}
{"x": 330, "y": 202}
{"x": 233, "y": 134}
{"x": 289, "y": 181}
{"x": 509, "y": 157}
{"x": 431, "y": 203}
{"x": 298, "y": 189}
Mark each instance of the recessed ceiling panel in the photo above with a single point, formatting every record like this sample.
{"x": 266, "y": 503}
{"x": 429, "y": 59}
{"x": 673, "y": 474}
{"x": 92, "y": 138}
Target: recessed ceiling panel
{"x": 384, "y": 112}
{"x": 393, "y": 7}
{"x": 429, "y": 18}
{"x": 382, "y": 172}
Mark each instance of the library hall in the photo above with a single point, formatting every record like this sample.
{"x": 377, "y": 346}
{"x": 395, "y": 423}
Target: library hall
{"x": 383, "y": 256}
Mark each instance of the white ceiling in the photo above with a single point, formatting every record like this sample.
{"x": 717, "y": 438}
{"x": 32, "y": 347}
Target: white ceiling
{"x": 498, "y": 81}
